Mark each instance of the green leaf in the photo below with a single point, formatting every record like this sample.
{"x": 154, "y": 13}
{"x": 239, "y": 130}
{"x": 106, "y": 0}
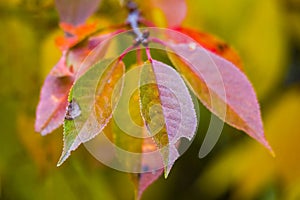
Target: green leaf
{"x": 91, "y": 104}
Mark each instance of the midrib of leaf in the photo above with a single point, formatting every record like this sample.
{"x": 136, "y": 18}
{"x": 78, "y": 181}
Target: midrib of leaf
{"x": 160, "y": 138}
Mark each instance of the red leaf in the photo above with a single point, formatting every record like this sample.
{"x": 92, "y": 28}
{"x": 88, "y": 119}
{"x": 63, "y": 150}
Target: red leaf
{"x": 53, "y": 102}
{"x": 75, "y": 12}
{"x": 143, "y": 180}
{"x": 213, "y": 44}
{"x": 61, "y": 69}
{"x": 221, "y": 87}
{"x": 51, "y": 109}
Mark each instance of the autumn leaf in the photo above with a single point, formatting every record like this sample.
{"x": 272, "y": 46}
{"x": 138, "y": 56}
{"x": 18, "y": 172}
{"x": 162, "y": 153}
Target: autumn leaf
{"x": 211, "y": 43}
{"x": 72, "y": 21}
{"x": 131, "y": 149}
{"x": 75, "y": 34}
{"x": 53, "y": 99}
{"x": 61, "y": 69}
{"x": 76, "y": 12}
{"x": 93, "y": 49}
{"x": 167, "y": 109}
{"x": 50, "y": 111}
{"x": 143, "y": 180}
{"x": 221, "y": 87}
{"x": 71, "y": 59}
{"x": 84, "y": 123}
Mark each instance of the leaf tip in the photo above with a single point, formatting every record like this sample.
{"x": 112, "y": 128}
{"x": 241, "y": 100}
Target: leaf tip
{"x": 167, "y": 171}
{"x": 270, "y": 149}
{"x": 44, "y": 132}
{"x": 166, "y": 174}
{"x": 266, "y": 144}
{"x": 63, "y": 158}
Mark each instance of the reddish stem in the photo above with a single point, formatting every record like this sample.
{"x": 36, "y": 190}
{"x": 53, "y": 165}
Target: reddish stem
{"x": 149, "y": 54}
{"x": 126, "y": 51}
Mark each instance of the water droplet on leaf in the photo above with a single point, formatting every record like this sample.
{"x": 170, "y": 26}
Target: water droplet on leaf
{"x": 192, "y": 46}
{"x": 73, "y": 110}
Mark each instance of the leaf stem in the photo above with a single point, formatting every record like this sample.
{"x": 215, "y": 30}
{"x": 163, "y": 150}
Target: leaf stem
{"x": 133, "y": 19}
{"x": 126, "y": 51}
{"x": 149, "y": 54}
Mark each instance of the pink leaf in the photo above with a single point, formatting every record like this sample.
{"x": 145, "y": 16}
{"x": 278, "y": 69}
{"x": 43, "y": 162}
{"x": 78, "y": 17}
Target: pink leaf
{"x": 150, "y": 174}
{"x": 221, "y": 87}
{"x": 174, "y": 10}
{"x": 77, "y": 55}
{"x": 75, "y": 12}
{"x": 53, "y": 98}
{"x": 145, "y": 180}
{"x": 178, "y": 114}
{"x": 53, "y": 102}
{"x": 61, "y": 69}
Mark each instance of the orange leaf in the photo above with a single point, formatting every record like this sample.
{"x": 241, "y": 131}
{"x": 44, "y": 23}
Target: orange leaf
{"x": 81, "y": 30}
{"x": 64, "y": 43}
{"x": 76, "y": 34}
{"x": 213, "y": 44}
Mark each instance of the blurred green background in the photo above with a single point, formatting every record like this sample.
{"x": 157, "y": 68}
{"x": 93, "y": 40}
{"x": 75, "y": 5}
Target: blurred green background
{"x": 266, "y": 33}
